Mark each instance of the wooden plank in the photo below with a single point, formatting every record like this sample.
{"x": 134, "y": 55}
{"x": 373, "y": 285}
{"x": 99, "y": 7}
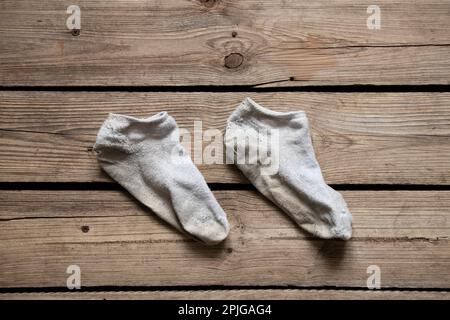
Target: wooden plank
{"x": 240, "y": 294}
{"x": 271, "y": 43}
{"x": 116, "y": 242}
{"x": 369, "y": 138}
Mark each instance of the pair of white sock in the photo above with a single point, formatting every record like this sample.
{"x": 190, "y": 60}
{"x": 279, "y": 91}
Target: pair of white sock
{"x": 145, "y": 156}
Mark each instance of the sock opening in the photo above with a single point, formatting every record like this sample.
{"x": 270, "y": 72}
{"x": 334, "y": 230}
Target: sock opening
{"x": 159, "y": 123}
{"x": 156, "y": 118}
{"x": 248, "y": 106}
{"x": 125, "y": 132}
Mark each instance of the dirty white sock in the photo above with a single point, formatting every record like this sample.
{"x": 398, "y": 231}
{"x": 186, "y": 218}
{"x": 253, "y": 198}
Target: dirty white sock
{"x": 289, "y": 175}
{"x": 145, "y": 156}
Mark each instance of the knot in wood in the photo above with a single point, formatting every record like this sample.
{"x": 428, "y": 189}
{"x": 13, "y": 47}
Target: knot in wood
{"x": 208, "y": 3}
{"x": 233, "y": 60}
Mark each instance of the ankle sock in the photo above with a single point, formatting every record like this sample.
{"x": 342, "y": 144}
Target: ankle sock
{"x": 289, "y": 174}
{"x": 145, "y": 157}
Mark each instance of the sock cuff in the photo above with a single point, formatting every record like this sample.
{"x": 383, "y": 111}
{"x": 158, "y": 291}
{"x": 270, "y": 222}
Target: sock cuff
{"x": 249, "y": 109}
{"x": 121, "y": 122}
{"x": 125, "y": 131}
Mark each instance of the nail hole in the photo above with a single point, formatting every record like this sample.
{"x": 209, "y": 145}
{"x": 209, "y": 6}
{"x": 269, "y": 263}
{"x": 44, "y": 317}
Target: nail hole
{"x": 229, "y": 250}
{"x": 85, "y": 229}
{"x": 291, "y": 78}
{"x": 75, "y": 32}
{"x": 234, "y": 34}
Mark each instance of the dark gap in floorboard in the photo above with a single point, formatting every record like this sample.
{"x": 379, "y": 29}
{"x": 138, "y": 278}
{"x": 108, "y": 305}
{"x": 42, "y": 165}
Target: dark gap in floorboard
{"x": 213, "y": 186}
{"x": 101, "y": 186}
{"x": 60, "y": 186}
{"x": 239, "y": 88}
{"x": 205, "y": 288}
{"x": 390, "y": 187}
{"x": 345, "y": 187}
{"x": 231, "y": 186}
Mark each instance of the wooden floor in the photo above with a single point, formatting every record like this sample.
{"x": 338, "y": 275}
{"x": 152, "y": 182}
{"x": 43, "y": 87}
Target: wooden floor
{"x": 379, "y": 108}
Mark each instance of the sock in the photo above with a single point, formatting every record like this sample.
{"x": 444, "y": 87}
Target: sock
{"x": 287, "y": 171}
{"x": 145, "y": 157}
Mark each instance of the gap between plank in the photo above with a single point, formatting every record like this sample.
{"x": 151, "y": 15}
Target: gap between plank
{"x": 241, "y": 88}
{"x": 107, "y": 186}
{"x": 203, "y": 288}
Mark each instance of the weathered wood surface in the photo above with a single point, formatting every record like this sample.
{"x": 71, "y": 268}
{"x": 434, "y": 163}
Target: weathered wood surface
{"x": 369, "y": 138}
{"x": 116, "y": 242}
{"x": 237, "y": 294}
{"x": 218, "y": 42}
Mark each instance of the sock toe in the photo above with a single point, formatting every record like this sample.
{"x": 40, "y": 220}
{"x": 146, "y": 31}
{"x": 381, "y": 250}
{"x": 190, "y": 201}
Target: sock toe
{"x": 211, "y": 232}
{"x": 343, "y": 226}
{"x": 338, "y": 225}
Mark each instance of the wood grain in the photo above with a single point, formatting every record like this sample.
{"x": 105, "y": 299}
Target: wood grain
{"x": 116, "y": 242}
{"x": 368, "y": 138}
{"x": 274, "y": 43}
{"x": 240, "y": 294}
